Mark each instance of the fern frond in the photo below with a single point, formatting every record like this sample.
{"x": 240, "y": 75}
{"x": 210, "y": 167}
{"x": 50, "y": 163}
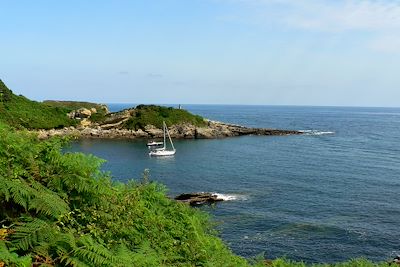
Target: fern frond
{"x": 4, "y": 192}
{"x": 29, "y": 234}
{"x": 11, "y": 258}
{"x": 17, "y": 190}
{"x": 47, "y": 202}
{"x": 95, "y": 252}
{"x": 31, "y": 195}
{"x": 75, "y": 262}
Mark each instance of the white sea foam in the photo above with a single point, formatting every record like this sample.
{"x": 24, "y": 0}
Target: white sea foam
{"x": 230, "y": 197}
{"x": 315, "y": 132}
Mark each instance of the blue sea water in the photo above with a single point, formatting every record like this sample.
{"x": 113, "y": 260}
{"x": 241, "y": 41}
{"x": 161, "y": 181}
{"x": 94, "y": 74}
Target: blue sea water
{"x": 326, "y": 196}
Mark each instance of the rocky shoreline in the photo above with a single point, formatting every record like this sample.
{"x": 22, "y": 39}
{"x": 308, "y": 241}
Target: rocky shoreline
{"x": 213, "y": 130}
{"x": 112, "y": 127}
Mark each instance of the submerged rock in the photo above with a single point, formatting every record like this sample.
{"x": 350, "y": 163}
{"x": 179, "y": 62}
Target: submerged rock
{"x": 197, "y": 199}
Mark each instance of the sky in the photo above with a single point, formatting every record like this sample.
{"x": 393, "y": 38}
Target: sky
{"x": 263, "y": 52}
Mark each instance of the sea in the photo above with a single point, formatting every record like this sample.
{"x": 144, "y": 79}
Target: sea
{"x": 329, "y": 195}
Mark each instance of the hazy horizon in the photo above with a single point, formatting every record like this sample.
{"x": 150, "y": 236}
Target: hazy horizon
{"x": 238, "y": 104}
{"x": 227, "y": 52}
{"x": 183, "y": 104}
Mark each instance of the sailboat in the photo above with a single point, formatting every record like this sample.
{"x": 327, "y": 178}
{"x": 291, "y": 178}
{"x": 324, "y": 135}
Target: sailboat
{"x": 162, "y": 151}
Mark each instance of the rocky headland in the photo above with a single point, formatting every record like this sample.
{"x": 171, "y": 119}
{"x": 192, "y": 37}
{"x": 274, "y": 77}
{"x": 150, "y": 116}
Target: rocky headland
{"x": 114, "y": 125}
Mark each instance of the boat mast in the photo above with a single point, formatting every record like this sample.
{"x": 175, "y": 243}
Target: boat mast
{"x": 172, "y": 144}
{"x": 164, "y": 128}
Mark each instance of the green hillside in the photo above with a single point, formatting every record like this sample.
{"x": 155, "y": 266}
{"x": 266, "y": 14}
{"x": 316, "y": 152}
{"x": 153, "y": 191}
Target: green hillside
{"x": 20, "y": 112}
{"x": 73, "y": 105}
{"x": 155, "y": 115}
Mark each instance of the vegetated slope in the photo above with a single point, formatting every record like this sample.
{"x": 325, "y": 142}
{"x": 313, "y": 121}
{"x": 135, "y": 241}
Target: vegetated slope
{"x": 60, "y": 209}
{"x": 155, "y": 115}
{"x": 20, "y": 112}
{"x": 73, "y": 105}
{"x": 98, "y": 116}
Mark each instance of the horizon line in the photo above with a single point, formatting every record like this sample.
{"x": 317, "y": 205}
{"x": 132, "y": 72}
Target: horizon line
{"x": 222, "y": 104}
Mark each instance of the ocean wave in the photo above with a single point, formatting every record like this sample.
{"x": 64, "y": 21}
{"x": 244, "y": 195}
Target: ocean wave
{"x": 231, "y": 197}
{"x": 316, "y": 132}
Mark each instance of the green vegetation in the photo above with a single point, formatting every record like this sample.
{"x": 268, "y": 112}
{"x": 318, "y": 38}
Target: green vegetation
{"x": 155, "y": 115}
{"x": 59, "y": 209}
{"x": 73, "y": 105}
{"x": 20, "y": 112}
{"x": 99, "y": 116}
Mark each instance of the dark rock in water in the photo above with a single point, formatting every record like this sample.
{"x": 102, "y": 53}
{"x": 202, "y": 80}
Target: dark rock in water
{"x": 197, "y": 199}
{"x": 396, "y": 260}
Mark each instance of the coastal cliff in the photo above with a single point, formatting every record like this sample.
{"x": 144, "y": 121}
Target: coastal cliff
{"x": 120, "y": 125}
{"x": 92, "y": 120}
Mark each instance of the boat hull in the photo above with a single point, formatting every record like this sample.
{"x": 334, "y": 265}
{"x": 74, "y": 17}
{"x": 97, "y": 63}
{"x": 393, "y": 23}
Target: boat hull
{"x": 162, "y": 153}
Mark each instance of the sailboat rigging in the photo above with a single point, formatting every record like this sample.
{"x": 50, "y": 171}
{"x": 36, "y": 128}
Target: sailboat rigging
{"x": 156, "y": 150}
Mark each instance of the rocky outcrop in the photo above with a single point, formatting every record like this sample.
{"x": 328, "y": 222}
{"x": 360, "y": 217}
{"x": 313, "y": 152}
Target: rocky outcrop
{"x": 114, "y": 125}
{"x": 197, "y": 199}
{"x": 85, "y": 122}
{"x": 82, "y": 113}
{"x": 89, "y": 132}
{"x": 181, "y": 131}
{"x": 154, "y": 132}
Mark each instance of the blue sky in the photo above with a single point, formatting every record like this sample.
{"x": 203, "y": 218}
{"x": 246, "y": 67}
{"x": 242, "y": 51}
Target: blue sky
{"x": 271, "y": 52}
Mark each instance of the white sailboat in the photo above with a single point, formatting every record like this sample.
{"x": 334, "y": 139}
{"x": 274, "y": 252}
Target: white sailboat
{"x": 162, "y": 151}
